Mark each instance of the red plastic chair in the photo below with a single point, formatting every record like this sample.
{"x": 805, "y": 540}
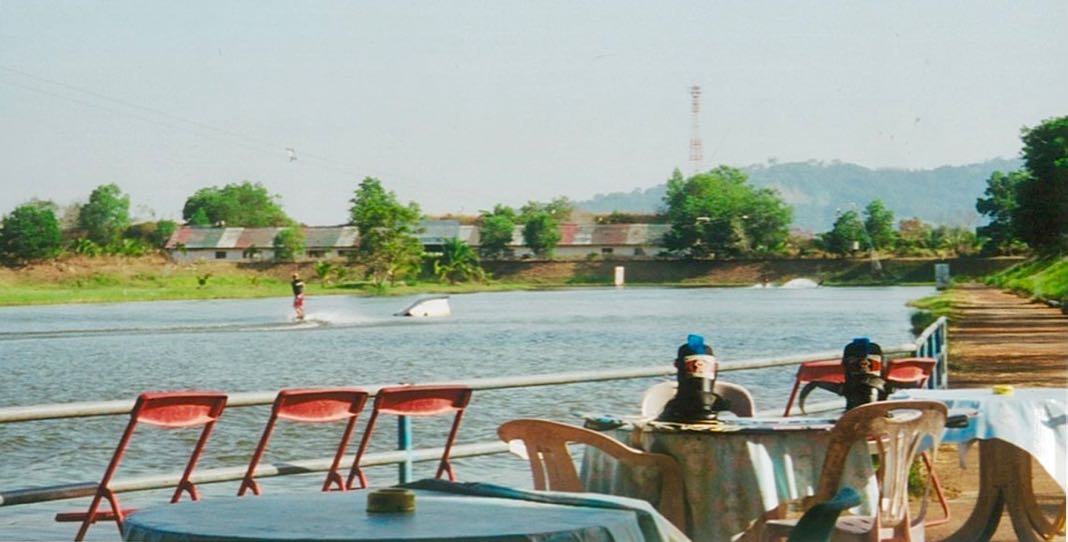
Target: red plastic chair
{"x": 414, "y": 401}
{"x": 828, "y": 370}
{"x": 909, "y": 372}
{"x": 310, "y": 406}
{"x": 163, "y": 409}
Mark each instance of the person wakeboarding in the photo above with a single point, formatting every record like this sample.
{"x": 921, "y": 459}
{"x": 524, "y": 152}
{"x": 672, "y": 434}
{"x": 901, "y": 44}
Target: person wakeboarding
{"x": 298, "y": 296}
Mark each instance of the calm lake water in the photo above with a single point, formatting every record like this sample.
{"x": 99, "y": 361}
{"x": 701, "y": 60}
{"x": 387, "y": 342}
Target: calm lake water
{"x": 67, "y": 353}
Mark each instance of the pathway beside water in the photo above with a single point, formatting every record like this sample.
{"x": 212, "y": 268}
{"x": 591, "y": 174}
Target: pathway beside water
{"x": 999, "y": 338}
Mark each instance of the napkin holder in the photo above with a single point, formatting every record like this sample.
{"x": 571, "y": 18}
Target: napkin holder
{"x": 391, "y": 500}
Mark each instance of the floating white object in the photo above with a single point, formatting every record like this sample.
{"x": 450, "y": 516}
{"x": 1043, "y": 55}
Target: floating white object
{"x": 428, "y": 306}
{"x": 800, "y": 283}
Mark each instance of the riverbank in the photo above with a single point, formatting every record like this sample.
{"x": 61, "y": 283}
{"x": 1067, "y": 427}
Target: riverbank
{"x": 999, "y": 338}
{"x": 155, "y": 278}
{"x": 1045, "y": 279}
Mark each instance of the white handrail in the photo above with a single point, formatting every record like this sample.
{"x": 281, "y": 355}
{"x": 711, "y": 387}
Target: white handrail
{"x": 923, "y": 346}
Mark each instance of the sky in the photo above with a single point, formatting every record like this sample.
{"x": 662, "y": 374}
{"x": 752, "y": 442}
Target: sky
{"x": 461, "y": 105}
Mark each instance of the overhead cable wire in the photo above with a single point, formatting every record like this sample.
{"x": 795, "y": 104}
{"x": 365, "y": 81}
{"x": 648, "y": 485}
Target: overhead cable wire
{"x": 240, "y": 139}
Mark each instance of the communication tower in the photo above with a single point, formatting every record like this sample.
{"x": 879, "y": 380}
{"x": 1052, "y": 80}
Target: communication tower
{"x": 695, "y": 136}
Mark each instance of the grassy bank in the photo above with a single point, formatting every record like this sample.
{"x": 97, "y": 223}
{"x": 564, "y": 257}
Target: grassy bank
{"x": 929, "y": 309}
{"x": 153, "y": 278}
{"x": 1040, "y": 278}
{"x": 110, "y": 281}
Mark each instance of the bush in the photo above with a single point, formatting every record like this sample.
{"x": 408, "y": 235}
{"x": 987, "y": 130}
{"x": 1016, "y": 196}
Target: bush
{"x": 288, "y": 243}
{"x": 30, "y": 232}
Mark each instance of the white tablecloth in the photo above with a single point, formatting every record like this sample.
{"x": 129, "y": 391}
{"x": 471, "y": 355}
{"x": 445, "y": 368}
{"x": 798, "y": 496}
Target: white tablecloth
{"x": 1032, "y": 419}
{"x": 734, "y": 477}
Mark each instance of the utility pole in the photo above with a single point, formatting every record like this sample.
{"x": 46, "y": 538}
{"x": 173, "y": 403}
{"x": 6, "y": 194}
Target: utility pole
{"x": 695, "y": 136}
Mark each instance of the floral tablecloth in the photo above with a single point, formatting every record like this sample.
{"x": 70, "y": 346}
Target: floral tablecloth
{"x": 735, "y": 472}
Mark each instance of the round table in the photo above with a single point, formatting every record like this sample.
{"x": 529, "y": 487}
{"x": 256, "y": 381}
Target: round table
{"x": 737, "y": 473}
{"x": 1011, "y": 430}
{"x": 343, "y": 516}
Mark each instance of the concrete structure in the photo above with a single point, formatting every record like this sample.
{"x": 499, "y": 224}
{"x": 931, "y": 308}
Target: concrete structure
{"x": 577, "y": 241}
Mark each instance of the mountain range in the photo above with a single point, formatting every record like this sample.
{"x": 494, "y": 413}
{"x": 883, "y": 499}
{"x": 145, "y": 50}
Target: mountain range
{"x": 817, "y": 191}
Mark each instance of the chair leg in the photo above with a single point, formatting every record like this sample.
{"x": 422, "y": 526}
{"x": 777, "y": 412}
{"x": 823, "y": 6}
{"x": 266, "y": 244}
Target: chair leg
{"x": 185, "y": 484}
{"x": 937, "y": 485}
{"x": 333, "y": 476}
{"x": 90, "y": 518}
{"x": 333, "y": 479}
{"x": 94, "y": 507}
{"x": 793, "y": 395}
{"x": 249, "y": 481}
{"x": 445, "y": 466}
{"x": 357, "y": 472}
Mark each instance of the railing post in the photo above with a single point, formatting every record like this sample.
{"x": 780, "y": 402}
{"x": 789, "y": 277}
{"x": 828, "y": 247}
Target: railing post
{"x": 934, "y": 343}
{"x": 943, "y": 336}
{"x": 404, "y": 444}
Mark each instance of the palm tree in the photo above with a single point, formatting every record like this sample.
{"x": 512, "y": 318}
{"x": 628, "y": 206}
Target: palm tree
{"x": 458, "y": 262}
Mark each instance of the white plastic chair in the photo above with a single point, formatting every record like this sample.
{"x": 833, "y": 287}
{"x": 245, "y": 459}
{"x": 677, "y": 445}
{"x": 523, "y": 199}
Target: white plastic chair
{"x": 740, "y": 400}
{"x": 897, "y": 430}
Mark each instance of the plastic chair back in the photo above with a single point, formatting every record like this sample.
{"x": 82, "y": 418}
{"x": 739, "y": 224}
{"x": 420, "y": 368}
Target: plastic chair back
{"x": 899, "y": 431}
{"x": 310, "y": 406}
{"x": 909, "y": 372}
{"x": 414, "y": 401}
{"x": 739, "y": 399}
{"x": 551, "y": 464}
{"x": 170, "y": 410}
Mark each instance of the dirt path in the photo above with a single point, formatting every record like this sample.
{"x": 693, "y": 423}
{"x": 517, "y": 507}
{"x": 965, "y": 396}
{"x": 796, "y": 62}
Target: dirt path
{"x": 999, "y": 338}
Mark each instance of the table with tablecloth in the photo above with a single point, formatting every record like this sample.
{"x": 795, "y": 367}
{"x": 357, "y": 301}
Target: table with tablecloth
{"x": 736, "y": 472}
{"x": 1011, "y": 428}
{"x": 444, "y": 511}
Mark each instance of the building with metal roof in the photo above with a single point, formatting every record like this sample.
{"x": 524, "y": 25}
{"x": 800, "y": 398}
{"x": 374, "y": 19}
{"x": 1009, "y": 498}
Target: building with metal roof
{"x": 196, "y": 243}
{"x": 604, "y": 240}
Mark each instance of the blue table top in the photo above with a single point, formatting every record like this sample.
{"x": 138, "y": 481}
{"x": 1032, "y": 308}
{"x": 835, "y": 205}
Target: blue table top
{"x": 339, "y": 516}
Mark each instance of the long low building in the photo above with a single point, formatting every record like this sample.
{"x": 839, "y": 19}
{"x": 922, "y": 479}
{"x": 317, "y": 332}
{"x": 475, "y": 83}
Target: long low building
{"x": 197, "y": 243}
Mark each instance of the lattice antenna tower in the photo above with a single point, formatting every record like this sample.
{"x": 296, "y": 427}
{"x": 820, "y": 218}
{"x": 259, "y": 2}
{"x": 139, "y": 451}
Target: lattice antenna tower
{"x": 695, "y": 137}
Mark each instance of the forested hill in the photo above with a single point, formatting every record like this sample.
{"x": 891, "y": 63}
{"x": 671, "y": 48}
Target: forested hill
{"x": 816, "y": 190}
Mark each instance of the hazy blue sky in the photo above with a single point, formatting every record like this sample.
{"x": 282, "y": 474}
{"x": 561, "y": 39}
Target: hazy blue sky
{"x": 460, "y": 105}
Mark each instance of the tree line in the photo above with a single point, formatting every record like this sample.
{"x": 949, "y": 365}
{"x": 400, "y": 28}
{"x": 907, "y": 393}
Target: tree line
{"x": 1029, "y": 207}
{"x": 712, "y": 214}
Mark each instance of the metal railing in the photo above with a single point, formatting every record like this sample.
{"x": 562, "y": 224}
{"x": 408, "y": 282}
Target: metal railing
{"x": 934, "y": 343}
{"x": 931, "y": 343}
